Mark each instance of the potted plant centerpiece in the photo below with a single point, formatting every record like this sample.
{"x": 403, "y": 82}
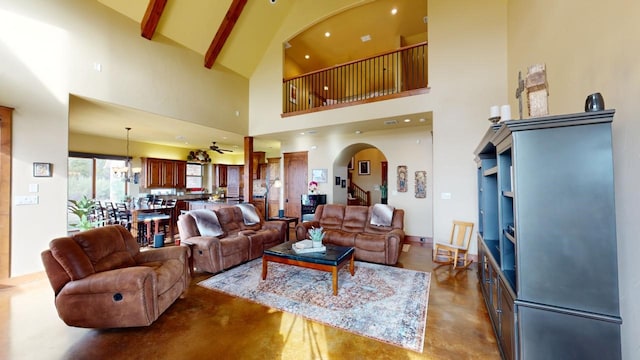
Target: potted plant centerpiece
{"x": 82, "y": 209}
{"x": 316, "y": 235}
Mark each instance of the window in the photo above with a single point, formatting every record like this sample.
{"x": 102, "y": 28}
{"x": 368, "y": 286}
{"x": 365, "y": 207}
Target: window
{"x": 92, "y": 175}
{"x": 194, "y": 176}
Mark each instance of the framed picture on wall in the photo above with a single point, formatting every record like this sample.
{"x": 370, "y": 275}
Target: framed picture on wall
{"x": 364, "y": 167}
{"x": 421, "y": 184}
{"x": 402, "y": 178}
{"x": 319, "y": 175}
{"x": 42, "y": 169}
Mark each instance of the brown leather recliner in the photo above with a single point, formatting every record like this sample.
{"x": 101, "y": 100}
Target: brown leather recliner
{"x": 101, "y": 279}
{"x": 237, "y": 244}
{"x": 353, "y": 226}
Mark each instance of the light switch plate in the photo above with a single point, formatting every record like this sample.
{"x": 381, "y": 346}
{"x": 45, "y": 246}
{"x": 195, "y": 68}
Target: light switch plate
{"x": 445, "y": 196}
{"x": 33, "y": 188}
{"x": 27, "y": 200}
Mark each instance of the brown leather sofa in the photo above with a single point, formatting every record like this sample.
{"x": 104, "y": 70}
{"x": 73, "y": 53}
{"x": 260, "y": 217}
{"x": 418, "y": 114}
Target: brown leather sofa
{"x": 351, "y": 225}
{"x": 237, "y": 244}
{"x": 101, "y": 279}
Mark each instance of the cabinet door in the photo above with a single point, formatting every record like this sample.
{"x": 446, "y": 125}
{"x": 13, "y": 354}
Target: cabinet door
{"x": 507, "y": 322}
{"x": 168, "y": 173}
{"x": 221, "y": 175}
{"x": 180, "y": 180}
{"x": 154, "y": 173}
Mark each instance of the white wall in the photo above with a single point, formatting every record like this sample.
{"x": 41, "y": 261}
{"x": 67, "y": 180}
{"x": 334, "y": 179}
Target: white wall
{"x": 48, "y": 50}
{"x": 588, "y": 47}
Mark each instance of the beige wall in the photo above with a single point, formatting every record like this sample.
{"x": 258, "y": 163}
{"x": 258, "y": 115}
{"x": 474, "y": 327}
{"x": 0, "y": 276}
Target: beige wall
{"x": 48, "y": 50}
{"x": 591, "y": 46}
{"x": 467, "y": 74}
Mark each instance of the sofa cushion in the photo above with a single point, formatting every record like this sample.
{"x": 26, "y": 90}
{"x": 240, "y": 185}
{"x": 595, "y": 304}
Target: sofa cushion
{"x": 70, "y": 256}
{"x": 332, "y": 216}
{"x": 381, "y": 215}
{"x": 207, "y": 222}
{"x": 106, "y": 247}
{"x": 249, "y": 214}
{"x": 355, "y": 218}
{"x": 340, "y": 237}
{"x": 230, "y": 218}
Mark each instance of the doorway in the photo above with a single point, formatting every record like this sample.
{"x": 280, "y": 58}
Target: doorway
{"x": 295, "y": 181}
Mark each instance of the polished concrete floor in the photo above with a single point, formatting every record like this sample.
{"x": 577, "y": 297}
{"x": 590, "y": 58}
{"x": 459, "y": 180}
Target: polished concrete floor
{"x": 210, "y": 325}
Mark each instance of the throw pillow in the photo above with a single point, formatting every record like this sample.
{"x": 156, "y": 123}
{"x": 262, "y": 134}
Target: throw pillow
{"x": 207, "y": 222}
{"x": 382, "y": 215}
{"x": 249, "y": 214}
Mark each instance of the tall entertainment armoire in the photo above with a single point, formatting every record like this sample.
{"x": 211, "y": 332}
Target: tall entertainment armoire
{"x": 547, "y": 237}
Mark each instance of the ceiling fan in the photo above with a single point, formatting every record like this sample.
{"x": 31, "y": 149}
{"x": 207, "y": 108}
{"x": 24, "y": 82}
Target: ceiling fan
{"x": 215, "y": 147}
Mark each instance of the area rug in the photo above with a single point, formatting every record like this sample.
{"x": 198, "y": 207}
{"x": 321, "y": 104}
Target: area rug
{"x": 385, "y": 303}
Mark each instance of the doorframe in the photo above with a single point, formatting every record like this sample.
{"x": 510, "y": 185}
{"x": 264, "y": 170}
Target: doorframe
{"x": 6, "y": 114}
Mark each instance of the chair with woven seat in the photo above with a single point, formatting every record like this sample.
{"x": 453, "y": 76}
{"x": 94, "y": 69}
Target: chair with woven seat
{"x": 455, "y": 251}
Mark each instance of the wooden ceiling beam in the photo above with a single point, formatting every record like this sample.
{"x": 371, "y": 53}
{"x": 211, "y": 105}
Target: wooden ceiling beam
{"x": 229, "y": 21}
{"x": 152, "y": 18}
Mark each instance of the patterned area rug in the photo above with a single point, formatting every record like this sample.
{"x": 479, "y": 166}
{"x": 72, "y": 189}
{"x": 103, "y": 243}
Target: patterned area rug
{"x": 381, "y": 302}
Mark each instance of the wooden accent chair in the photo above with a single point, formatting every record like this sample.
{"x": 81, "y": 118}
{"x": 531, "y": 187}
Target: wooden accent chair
{"x": 455, "y": 251}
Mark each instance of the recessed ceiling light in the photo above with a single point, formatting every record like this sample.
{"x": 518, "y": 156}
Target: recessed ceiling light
{"x": 311, "y": 132}
{"x": 307, "y": 57}
{"x": 327, "y": 34}
{"x": 407, "y": 120}
{"x": 358, "y": 132}
{"x": 390, "y": 122}
{"x": 394, "y": 11}
{"x": 365, "y": 38}
{"x": 422, "y": 120}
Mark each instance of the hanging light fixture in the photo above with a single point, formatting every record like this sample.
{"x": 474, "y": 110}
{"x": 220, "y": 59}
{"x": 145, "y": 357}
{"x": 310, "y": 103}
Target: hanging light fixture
{"x": 125, "y": 171}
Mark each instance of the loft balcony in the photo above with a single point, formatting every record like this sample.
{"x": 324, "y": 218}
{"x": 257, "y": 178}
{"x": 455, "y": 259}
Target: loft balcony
{"x": 390, "y": 75}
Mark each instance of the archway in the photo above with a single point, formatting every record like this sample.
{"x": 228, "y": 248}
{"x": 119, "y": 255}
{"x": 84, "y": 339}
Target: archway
{"x": 359, "y": 170}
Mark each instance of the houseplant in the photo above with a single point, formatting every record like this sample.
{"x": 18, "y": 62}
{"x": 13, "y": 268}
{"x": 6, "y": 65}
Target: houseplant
{"x": 316, "y": 235}
{"x": 82, "y": 209}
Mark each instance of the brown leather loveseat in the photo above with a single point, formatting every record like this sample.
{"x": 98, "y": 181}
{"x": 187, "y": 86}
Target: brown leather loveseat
{"x": 222, "y": 238}
{"x": 101, "y": 279}
{"x": 358, "y": 226}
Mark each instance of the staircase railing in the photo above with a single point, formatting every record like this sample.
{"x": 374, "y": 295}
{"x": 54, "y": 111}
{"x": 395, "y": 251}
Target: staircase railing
{"x": 360, "y": 195}
{"x": 384, "y": 76}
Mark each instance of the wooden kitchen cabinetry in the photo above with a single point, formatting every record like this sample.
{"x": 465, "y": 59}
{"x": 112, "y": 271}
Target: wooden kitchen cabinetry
{"x": 162, "y": 173}
{"x": 221, "y": 175}
{"x": 259, "y": 165}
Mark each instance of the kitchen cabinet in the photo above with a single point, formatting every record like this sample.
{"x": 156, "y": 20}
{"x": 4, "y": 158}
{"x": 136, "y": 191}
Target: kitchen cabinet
{"x": 221, "y": 175}
{"x": 163, "y": 173}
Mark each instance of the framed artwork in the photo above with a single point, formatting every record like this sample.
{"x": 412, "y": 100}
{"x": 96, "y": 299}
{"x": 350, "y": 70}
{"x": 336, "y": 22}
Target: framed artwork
{"x": 421, "y": 184}
{"x": 364, "y": 167}
{"x": 42, "y": 169}
{"x": 344, "y": 183}
{"x": 319, "y": 175}
{"x": 293, "y": 94}
{"x": 337, "y": 183}
{"x": 402, "y": 178}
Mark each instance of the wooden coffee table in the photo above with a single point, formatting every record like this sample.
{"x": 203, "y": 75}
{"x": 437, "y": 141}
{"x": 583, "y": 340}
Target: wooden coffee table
{"x": 331, "y": 261}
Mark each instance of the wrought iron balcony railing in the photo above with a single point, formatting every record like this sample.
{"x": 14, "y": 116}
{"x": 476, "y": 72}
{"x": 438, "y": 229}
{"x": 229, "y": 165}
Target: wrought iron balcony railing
{"x": 393, "y": 74}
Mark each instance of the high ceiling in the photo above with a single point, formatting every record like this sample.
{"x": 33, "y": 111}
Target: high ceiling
{"x": 193, "y": 24}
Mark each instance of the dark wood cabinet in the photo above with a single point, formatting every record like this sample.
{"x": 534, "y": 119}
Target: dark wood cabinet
{"x": 221, "y": 175}
{"x": 162, "y": 173}
{"x": 309, "y": 203}
{"x": 546, "y": 214}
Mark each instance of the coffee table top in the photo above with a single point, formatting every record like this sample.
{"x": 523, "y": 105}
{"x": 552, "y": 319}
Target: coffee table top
{"x": 332, "y": 256}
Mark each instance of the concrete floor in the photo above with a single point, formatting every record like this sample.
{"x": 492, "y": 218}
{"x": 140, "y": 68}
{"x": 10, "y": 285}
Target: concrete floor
{"x": 210, "y": 325}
